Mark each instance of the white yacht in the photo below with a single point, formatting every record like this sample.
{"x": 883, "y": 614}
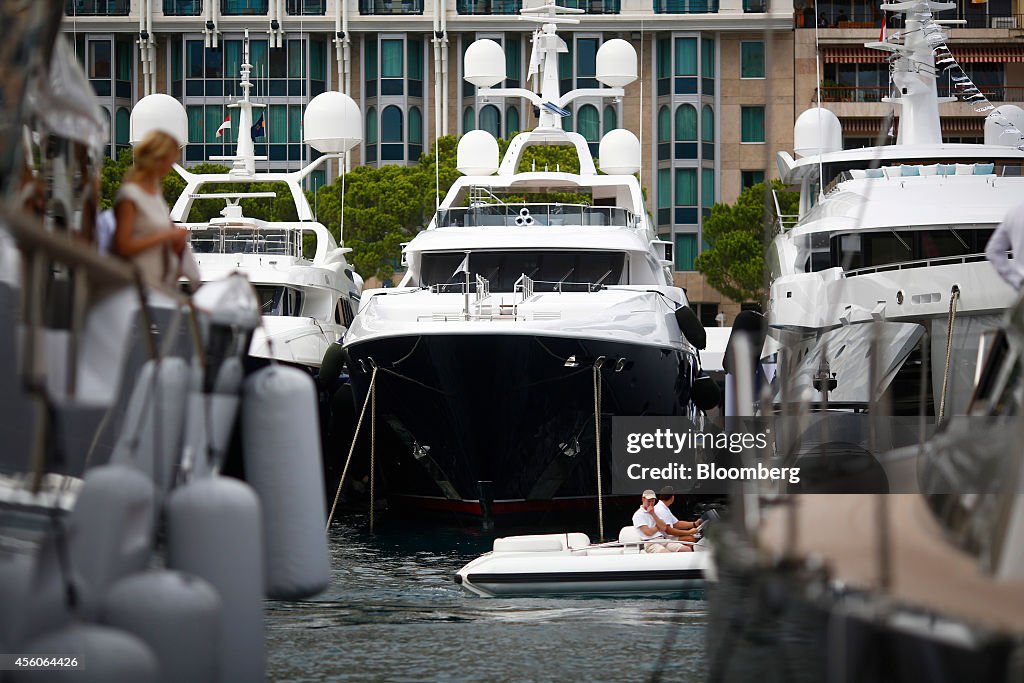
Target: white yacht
{"x": 895, "y": 235}
{"x": 521, "y": 318}
{"x": 307, "y": 290}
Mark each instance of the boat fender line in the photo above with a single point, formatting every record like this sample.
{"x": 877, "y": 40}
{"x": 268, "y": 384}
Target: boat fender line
{"x": 283, "y": 463}
{"x": 214, "y": 532}
{"x": 177, "y": 615}
{"x": 598, "y": 364}
{"x": 355, "y": 438}
{"x": 954, "y": 298}
{"x": 689, "y": 325}
{"x": 106, "y": 654}
{"x": 705, "y": 393}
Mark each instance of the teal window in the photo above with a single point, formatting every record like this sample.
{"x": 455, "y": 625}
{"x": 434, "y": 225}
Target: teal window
{"x": 294, "y": 123}
{"x": 490, "y": 120}
{"x": 511, "y": 122}
{"x": 513, "y": 51}
{"x": 195, "y": 123}
{"x": 707, "y": 58}
{"x": 468, "y": 120}
{"x": 707, "y": 124}
{"x": 277, "y": 123}
{"x": 686, "y": 251}
{"x": 371, "y": 126}
{"x": 193, "y": 58}
{"x": 752, "y": 59}
{"x": 415, "y": 126}
{"x": 564, "y": 66}
{"x": 686, "y": 123}
{"x": 213, "y": 117}
{"x": 232, "y": 58}
{"x": 611, "y": 118}
{"x": 664, "y": 188}
{"x": 258, "y": 58}
{"x": 296, "y": 59}
{"x": 751, "y": 124}
{"x": 586, "y": 57}
{"x": 125, "y": 60}
{"x": 391, "y": 63}
{"x": 664, "y": 125}
{"x": 587, "y": 123}
{"x": 242, "y": 7}
{"x": 391, "y": 124}
{"x": 686, "y": 187}
{"x": 415, "y": 49}
{"x": 686, "y": 56}
{"x": 370, "y": 59}
{"x": 664, "y": 58}
{"x": 707, "y": 187}
{"x": 122, "y": 120}
{"x": 750, "y": 178}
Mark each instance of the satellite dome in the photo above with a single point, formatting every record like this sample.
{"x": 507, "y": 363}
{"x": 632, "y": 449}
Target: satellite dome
{"x": 478, "y": 153}
{"x": 158, "y": 112}
{"x": 484, "y": 63}
{"x": 817, "y": 131}
{"x": 999, "y": 120}
{"x": 332, "y": 123}
{"x": 619, "y": 153}
{"x": 616, "y": 63}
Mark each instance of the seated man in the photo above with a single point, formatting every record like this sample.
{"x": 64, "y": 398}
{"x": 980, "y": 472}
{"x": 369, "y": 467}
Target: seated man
{"x": 651, "y": 526}
{"x": 681, "y": 529}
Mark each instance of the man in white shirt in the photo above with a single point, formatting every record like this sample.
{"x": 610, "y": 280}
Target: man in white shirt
{"x": 651, "y": 526}
{"x": 1009, "y": 236}
{"x": 681, "y": 529}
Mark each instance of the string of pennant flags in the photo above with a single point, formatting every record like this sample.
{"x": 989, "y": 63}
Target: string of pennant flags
{"x": 966, "y": 90}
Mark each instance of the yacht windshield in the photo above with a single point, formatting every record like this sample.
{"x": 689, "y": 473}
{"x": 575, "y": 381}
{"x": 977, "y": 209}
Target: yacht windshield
{"x": 550, "y": 270}
{"x": 279, "y": 300}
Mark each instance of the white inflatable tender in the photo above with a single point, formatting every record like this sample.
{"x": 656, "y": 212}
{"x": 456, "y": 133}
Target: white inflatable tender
{"x": 569, "y": 564}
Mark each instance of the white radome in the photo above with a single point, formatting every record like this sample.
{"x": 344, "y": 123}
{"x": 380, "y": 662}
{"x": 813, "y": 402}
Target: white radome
{"x": 484, "y": 63}
{"x": 477, "y": 154}
{"x": 619, "y": 153}
{"x": 817, "y": 131}
{"x": 332, "y": 123}
{"x": 158, "y": 112}
{"x": 616, "y": 63}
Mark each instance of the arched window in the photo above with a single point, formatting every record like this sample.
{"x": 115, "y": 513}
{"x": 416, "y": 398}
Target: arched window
{"x": 490, "y": 120}
{"x": 468, "y": 120}
{"x": 371, "y": 126}
{"x": 121, "y": 125}
{"x": 391, "y": 124}
{"x": 707, "y": 124}
{"x": 511, "y": 122}
{"x": 415, "y": 126}
{"x": 686, "y": 123}
{"x": 664, "y": 125}
{"x": 587, "y": 123}
{"x": 611, "y": 119}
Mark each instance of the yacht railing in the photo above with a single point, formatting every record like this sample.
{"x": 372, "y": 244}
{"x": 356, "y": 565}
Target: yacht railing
{"x": 895, "y": 171}
{"x": 920, "y": 263}
{"x": 227, "y": 239}
{"x": 536, "y": 215}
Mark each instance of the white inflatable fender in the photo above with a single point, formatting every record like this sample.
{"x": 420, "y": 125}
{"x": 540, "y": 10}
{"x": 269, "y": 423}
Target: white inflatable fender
{"x": 106, "y": 655}
{"x": 177, "y": 615}
{"x": 281, "y": 448}
{"x": 214, "y": 532}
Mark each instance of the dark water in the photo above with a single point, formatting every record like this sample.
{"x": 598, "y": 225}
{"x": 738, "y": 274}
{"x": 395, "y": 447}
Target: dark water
{"x": 392, "y": 613}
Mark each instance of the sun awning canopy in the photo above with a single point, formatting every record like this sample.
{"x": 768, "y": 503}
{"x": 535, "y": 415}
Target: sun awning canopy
{"x": 965, "y": 54}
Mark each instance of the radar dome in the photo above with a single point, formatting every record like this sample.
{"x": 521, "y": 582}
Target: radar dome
{"x": 817, "y": 131}
{"x": 619, "y": 153}
{"x": 1001, "y": 118}
{"x": 158, "y": 112}
{"x": 478, "y": 153}
{"x": 616, "y": 63}
{"x": 484, "y": 63}
{"x": 332, "y": 123}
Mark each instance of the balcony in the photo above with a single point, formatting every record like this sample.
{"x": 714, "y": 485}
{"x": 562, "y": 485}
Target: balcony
{"x": 685, "y": 6}
{"x": 306, "y": 7}
{"x": 183, "y": 8}
{"x": 874, "y": 93}
{"x": 238, "y": 8}
{"x": 389, "y": 7}
{"x": 594, "y": 6}
{"x": 865, "y": 17}
{"x": 97, "y": 8}
{"x": 483, "y": 7}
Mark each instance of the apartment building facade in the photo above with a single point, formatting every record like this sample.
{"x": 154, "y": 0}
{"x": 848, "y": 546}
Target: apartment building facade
{"x": 714, "y": 101}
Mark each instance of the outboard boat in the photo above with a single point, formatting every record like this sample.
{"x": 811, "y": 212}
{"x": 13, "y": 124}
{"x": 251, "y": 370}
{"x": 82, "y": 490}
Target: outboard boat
{"x": 569, "y": 564}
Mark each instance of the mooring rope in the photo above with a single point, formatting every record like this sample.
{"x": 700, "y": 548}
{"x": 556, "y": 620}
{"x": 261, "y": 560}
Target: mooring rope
{"x": 954, "y": 297}
{"x": 373, "y": 451}
{"x": 352, "y": 448}
{"x": 598, "y": 364}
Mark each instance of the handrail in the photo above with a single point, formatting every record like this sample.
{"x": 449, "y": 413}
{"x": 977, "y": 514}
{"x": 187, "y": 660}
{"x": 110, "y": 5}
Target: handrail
{"x": 918, "y": 263}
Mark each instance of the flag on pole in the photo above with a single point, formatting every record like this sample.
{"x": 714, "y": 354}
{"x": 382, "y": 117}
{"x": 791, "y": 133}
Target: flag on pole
{"x": 881, "y": 33}
{"x": 224, "y": 126}
{"x": 259, "y": 129}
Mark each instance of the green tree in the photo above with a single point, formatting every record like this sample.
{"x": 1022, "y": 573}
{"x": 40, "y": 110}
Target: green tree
{"x": 734, "y": 262}
{"x": 112, "y": 174}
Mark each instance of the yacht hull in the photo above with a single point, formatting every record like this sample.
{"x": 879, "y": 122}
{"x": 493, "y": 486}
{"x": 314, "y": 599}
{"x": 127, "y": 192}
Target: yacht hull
{"x": 496, "y": 424}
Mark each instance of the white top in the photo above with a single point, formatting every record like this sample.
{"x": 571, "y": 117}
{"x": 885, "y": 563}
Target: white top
{"x": 665, "y": 514}
{"x": 644, "y": 518}
{"x": 151, "y": 216}
{"x": 1009, "y": 236}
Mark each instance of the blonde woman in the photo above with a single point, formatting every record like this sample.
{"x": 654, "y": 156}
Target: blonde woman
{"x": 145, "y": 234}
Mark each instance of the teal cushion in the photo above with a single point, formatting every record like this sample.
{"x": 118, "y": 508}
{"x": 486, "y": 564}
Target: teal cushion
{"x": 946, "y": 169}
{"x": 910, "y": 170}
{"x": 875, "y": 173}
{"x": 984, "y": 169}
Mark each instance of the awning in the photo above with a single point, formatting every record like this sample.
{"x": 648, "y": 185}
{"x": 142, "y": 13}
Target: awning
{"x": 847, "y": 351}
{"x": 953, "y": 125}
{"x": 965, "y": 54}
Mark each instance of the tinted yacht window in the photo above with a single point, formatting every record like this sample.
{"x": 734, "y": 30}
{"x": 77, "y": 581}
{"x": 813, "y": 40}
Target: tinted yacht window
{"x": 550, "y": 270}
